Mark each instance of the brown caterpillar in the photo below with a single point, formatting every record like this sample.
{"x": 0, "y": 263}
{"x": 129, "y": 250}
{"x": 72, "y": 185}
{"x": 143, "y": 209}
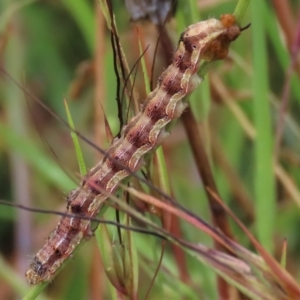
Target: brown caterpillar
{"x": 204, "y": 41}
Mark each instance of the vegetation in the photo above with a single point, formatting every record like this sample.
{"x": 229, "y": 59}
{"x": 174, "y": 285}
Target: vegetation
{"x": 243, "y": 121}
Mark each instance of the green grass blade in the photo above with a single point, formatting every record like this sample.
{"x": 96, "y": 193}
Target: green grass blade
{"x": 265, "y": 206}
{"x": 241, "y": 9}
{"x": 79, "y": 156}
{"x": 35, "y": 291}
{"x": 284, "y": 254}
{"x": 144, "y": 69}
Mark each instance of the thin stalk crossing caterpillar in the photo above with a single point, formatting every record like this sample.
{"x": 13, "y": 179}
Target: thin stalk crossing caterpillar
{"x": 204, "y": 41}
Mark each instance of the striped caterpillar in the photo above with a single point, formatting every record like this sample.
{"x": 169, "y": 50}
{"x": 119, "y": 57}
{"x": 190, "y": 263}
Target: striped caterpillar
{"x": 204, "y": 41}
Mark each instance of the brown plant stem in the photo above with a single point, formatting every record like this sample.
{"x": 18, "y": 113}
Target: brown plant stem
{"x": 238, "y": 189}
{"x": 218, "y": 213}
{"x": 287, "y": 22}
{"x": 286, "y": 89}
{"x": 194, "y": 136}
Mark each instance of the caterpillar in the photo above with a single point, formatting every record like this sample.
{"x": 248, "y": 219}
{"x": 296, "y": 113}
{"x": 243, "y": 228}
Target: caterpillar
{"x": 204, "y": 41}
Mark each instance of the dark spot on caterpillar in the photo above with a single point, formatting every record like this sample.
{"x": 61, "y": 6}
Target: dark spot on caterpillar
{"x": 140, "y": 137}
{"x": 63, "y": 246}
{"x": 75, "y": 208}
{"x": 58, "y": 253}
{"x": 190, "y": 43}
{"x": 172, "y": 85}
{"x": 156, "y": 111}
